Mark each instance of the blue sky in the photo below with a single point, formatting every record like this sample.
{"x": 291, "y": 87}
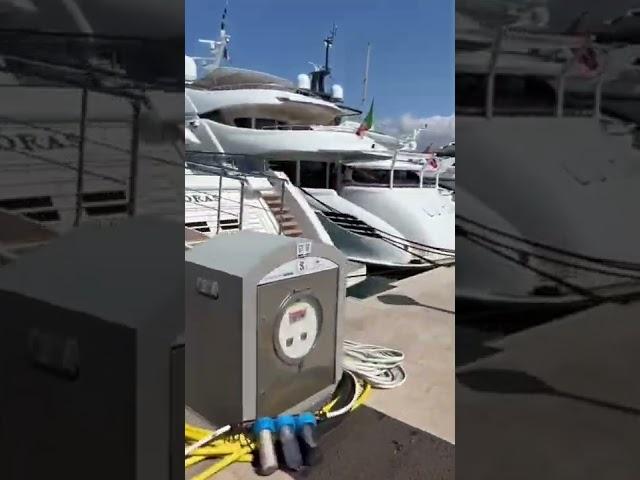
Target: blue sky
{"x": 411, "y": 74}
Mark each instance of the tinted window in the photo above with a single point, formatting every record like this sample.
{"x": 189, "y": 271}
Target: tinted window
{"x": 514, "y": 94}
{"x": 242, "y": 122}
{"x": 470, "y": 90}
{"x": 369, "y": 177}
{"x": 530, "y": 93}
{"x": 401, "y": 178}
{"x": 313, "y": 174}
{"x": 214, "y": 116}
{"x": 265, "y": 123}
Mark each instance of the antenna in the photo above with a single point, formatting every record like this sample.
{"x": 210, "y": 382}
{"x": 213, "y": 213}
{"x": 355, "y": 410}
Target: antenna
{"x": 318, "y": 76}
{"x": 219, "y": 49}
{"x": 366, "y": 75}
{"x": 224, "y": 17}
{"x": 328, "y": 42}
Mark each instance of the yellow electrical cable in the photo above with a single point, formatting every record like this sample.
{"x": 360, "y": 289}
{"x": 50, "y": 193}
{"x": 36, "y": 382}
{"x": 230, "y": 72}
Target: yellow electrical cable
{"x": 218, "y": 450}
{"x": 191, "y": 461}
{"x": 224, "y": 463}
{"x": 327, "y": 408}
{"x": 239, "y": 448}
{"x": 188, "y": 462}
{"x": 197, "y": 430}
{"x": 363, "y": 396}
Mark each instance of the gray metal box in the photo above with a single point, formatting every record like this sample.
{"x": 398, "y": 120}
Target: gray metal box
{"x": 263, "y": 326}
{"x": 90, "y": 356}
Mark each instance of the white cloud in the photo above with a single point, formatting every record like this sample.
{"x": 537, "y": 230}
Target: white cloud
{"x": 440, "y": 130}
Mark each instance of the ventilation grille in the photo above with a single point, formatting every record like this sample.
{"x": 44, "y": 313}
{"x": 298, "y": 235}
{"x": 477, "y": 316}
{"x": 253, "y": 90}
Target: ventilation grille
{"x": 226, "y": 225}
{"x": 111, "y": 202}
{"x": 202, "y": 227}
{"x": 351, "y": 223}
{"x": 38, "y": 208}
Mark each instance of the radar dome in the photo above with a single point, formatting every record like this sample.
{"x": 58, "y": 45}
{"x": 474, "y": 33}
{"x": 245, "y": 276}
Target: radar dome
{"x": 337, "y": 93}
{"x": 304, "y": 82}
{"x": 190, "y": 69}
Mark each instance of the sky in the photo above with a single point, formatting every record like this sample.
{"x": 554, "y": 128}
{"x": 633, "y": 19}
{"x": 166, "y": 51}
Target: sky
{"x": 411, "y": 74}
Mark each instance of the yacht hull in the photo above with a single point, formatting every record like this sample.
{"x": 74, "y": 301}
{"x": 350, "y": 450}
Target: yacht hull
{"x": 576, "y": 196}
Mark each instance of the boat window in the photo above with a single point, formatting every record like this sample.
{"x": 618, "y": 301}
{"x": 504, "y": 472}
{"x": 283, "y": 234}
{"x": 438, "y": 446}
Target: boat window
{"x": 470, "y": 91}
{"x": 524, "y": 94}
{"x": 262, "y": 123}
{"x": 514, "y": 95}
{"x": 269, "y": 123}
{"x": 288, "y": 167}
{"x": 214, "y": 116}
{"x": 401, "y": 178}
{"x": 242, "y": 122}
{"x": 313, "y": 174}
{"x": 406, "y": 178}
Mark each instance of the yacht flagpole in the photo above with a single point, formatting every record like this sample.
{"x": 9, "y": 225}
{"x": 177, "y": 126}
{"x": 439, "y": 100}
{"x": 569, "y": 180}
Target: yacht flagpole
{"x": 366, "y": 75}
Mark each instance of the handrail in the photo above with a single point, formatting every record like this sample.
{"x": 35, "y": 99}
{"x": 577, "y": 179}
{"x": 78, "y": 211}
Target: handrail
{"x": 242, "y": 86}
{"x": 286, "y": 127}
{"x": 226, "y": 171}
{"x": 493, "y": 63}
{"x": 497, "y": 49}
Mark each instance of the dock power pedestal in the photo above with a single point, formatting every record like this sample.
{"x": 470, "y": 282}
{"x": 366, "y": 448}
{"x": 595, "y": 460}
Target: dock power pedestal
{"x": 92, "y": 356}
{"x": 263, "y": 326}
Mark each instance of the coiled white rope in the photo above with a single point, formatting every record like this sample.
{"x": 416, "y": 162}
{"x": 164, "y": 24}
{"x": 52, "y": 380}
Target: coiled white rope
{"x": 379, "y": 366}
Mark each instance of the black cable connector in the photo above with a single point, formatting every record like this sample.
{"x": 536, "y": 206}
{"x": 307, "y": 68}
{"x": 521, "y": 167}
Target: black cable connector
{"x": 306, "y": 431}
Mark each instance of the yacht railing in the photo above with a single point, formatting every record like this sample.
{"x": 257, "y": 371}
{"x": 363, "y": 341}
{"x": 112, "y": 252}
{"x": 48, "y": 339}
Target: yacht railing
{"x": 287, "y": 127}
{"x": 198, "y": 85}
{"x": 228, "y": 166}
{"x": 320, "y": 128}
{"x": 497, "y": 49}
{"x": 423, "y": 164}
{"x": 71, "y": 61}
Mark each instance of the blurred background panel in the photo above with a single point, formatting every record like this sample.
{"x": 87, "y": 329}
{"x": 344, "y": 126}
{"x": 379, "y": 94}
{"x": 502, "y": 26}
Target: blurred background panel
{"x": 91, "y": 237}
{"x": 547, "y": 125}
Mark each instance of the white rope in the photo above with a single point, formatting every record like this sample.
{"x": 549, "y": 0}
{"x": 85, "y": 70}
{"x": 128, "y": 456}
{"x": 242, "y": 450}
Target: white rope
{"x": 379, "y": 366}
{"x": 192, "y": 448}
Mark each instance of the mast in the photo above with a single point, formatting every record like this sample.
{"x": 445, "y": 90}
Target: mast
{"x": 319, "y": 75}
{"x": 219, "y": 48}
{"x": 328, "y": 43}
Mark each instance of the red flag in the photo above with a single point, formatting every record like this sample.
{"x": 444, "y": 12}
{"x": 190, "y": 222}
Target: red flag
{"x": 587, "y": 58}
{"x": 432, "y": 161}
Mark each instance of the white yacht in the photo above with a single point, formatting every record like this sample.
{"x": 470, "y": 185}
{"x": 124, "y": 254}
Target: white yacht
{"x": 62, "y": 157}
{"x": 296, "y": 131}
{"x": 560, "y": 185}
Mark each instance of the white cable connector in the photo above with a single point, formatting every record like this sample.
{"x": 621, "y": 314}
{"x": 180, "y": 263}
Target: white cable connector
{"x": 381, "y": 367}
{"x": 200, "y": 443}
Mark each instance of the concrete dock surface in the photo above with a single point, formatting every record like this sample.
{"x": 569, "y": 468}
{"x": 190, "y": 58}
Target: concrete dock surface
{"x": 571, "y": 385}
{"x": 415, "y": 315}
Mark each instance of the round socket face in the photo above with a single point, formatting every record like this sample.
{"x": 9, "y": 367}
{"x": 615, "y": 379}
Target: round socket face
{"x": 297, "y": 329}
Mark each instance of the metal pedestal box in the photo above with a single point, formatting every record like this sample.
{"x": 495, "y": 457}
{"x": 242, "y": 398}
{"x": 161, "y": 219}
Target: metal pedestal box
{"x": 263, "y": 325}
{"x": 90, "y": 356}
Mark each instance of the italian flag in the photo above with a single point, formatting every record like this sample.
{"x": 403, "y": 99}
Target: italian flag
{"x": 367, "y": 123}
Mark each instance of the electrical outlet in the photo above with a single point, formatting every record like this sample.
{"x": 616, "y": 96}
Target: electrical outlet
{"x": 297, "y": 330}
